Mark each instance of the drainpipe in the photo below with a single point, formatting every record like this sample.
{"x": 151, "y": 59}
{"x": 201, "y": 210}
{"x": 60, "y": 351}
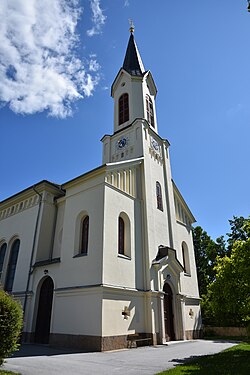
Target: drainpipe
{"x": 33, "y": 249}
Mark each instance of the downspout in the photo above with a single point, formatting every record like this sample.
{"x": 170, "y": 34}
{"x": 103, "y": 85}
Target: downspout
{"x": 33, "y": 249}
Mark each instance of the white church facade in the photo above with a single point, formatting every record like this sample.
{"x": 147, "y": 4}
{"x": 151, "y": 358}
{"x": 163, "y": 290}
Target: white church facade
{"x": 106, "y": 258}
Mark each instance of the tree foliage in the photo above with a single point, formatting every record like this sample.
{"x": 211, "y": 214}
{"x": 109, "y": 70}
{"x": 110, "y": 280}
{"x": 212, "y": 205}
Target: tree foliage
{"x": 11, "y": 319}
{"x": 224, "y": 274}
{"x": 229, "y": 294}
{"x": 206, "y": 252}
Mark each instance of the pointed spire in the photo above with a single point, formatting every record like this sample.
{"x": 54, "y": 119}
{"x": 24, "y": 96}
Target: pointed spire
{"x": 133, "y": 62}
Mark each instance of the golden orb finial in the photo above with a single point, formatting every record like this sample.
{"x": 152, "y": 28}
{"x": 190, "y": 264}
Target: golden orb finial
{"x": 132, "y": 27}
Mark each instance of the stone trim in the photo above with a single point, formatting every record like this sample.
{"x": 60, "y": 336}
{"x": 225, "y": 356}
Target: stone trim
{"x": 194, "y": 334}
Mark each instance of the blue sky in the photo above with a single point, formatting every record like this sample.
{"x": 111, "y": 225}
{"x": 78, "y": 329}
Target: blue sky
{"x": 55, "y": 80}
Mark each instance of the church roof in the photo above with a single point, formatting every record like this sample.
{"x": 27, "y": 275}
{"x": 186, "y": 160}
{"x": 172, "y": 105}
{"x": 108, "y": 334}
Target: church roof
{"x": 132, "y": 61}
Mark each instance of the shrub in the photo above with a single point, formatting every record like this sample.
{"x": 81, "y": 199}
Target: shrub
{"x": 11, "y": 320}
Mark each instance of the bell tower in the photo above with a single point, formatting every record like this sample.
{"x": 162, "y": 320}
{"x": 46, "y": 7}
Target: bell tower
{"x": 134, "y": 93}
{"x": 133, "y": 90}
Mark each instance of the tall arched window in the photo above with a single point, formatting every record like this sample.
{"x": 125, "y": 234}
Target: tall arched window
{"x": 150, "y": 111}
{"x": 2, "y": 256}
{"x": 185, "y": 257}
{"x": 124, "y": 235}
{"x": 12, "y": 266}
{"x": 123, "y": 109}
{"x": 84, "y": 235}
{"x": 121, "y": 236}
{"x": 159, "y": 196}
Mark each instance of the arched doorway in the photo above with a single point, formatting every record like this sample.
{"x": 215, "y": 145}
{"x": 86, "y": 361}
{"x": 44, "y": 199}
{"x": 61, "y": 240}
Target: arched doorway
{"x": 44, "y": 311}
{"x": 168, "y": 313}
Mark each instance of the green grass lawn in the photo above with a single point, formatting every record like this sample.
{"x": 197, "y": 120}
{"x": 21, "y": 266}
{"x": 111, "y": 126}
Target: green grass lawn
{"x": 3, "y": 372}
{"x": 233, "y": 361}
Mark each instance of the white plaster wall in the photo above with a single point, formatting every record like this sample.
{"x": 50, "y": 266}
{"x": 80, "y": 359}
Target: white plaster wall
{"x": 117, "y": 270}
{"x": 192, "y": 317}
{"x": 59, "y": 230}
{"x": 77, "y": 312}
{"x": 84, "y": 198}
{"x": 157, "y": 220}
{"x": 113, "y": 320}
{"x": 46, "y": 228}
{"x": 189, "y": 283}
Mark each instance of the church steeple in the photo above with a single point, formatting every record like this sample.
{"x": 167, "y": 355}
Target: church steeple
{"x": 133, "y": 90}
{"x": 133, "y": 62}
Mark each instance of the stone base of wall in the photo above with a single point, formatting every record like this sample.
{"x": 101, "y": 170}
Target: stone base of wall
{"x": 194, "y": 334}
{"x": 80, "y": 342}
{"x": 113, "y": 342}
{"x": 226, "y": 331}
{"x": 87, "y": 343}
{"x": 28, "y": 337}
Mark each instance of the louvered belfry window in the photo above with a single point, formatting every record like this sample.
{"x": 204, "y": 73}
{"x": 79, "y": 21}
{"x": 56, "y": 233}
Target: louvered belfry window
{"x": 159, "y": 196}
{"x": 150, "y": 111}
{"x": 123, "y": 109}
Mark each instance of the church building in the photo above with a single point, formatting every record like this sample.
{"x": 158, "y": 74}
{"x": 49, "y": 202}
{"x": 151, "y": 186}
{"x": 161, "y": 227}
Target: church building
{"x": 106, "y": 260}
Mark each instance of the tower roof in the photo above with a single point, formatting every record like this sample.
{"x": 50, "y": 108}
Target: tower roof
{"x": 133, "y": 62}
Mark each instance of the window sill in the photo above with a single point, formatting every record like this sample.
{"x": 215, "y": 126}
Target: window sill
{"x": 80, "y": 255}
{"x": 124, "y": 256}
{"x": 187, "y": 274}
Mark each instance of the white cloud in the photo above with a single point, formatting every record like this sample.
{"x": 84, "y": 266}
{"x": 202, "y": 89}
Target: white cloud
{"x": 94, "y": 66}
{"x": 98, "y": 18}
{"x": 39, "y": 68}
{"x": 126, "y": 3}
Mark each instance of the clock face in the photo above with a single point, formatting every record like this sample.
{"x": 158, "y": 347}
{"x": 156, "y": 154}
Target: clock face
{"x": 155, "y": 145}
{"x": 122, "y": 142}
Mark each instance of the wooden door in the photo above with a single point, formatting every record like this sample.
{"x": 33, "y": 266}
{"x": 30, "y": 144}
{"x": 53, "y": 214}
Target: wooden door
{"x": 168, "y": 313}
{"x": 44, "y": 312}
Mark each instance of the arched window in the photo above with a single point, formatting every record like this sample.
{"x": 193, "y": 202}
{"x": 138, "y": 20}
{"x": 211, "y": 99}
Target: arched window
{"x": 124, "y": 235}
{"x": 84, "y": 235}
{"x": 150, "y": 111}
{"x": 2, "y": 256}
{"x": 185, "y": 258}
{"x": 12, "y": 266}
{"x": 159, "y": 196}
{"x": 123, "y": 109}
{"x": 121, "y": 236}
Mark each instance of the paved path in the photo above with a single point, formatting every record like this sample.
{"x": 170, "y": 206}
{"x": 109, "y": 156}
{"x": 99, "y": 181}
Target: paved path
{"x": 40, "y": 360}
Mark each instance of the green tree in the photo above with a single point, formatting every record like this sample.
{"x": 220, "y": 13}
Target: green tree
{"x": 206, "y": 250}
{"x": 228, "y": 297}
{"x": 239, "y": 231}
{"x": 218, "y": 269}
{"x": 11, "y": 319}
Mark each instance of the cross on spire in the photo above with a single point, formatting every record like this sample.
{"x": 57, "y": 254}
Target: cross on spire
{"x": 132, "y": 27}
